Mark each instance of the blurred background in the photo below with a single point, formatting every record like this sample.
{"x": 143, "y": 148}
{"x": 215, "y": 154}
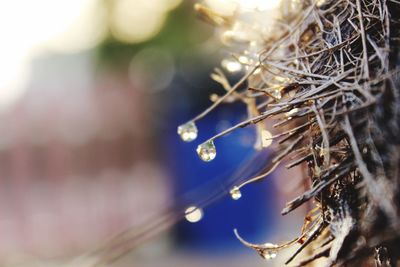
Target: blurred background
{"x": 91, "y": 94}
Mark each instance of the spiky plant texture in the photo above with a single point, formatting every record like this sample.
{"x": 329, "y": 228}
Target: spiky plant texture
{"x": 329, "y": 77}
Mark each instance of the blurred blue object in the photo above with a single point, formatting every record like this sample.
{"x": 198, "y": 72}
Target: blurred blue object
{"x": 252, "y": 214}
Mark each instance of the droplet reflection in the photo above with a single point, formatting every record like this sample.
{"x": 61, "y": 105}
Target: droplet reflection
{"x": 235, "y": 193}
{"x": 207, "y": 151}
{"x": 193, "y": 214}
{"x": 268, "y": 254}
{"x": 188, "y": 131}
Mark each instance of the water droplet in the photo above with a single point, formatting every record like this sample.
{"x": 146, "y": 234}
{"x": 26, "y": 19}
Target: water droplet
{"x": 235, "y": 193}
{"x": 266, "y": 138}
{"x": 188, "y": 131}
{"x": 207, "y": 151}
{"x": 193, "y": 214}
{"x": 268, "y": 254}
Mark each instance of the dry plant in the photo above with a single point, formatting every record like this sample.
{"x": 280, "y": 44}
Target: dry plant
{"x": 329, "y": 75}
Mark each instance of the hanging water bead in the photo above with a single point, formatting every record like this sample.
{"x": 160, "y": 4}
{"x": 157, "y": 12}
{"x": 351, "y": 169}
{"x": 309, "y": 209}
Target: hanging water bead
{"x": 207, "y": 151}
{"x": 235, "y": 193}
{"x": 193, "y": 214}
{"x": 268, "y": 253}
{"x": 188, "y": 131}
